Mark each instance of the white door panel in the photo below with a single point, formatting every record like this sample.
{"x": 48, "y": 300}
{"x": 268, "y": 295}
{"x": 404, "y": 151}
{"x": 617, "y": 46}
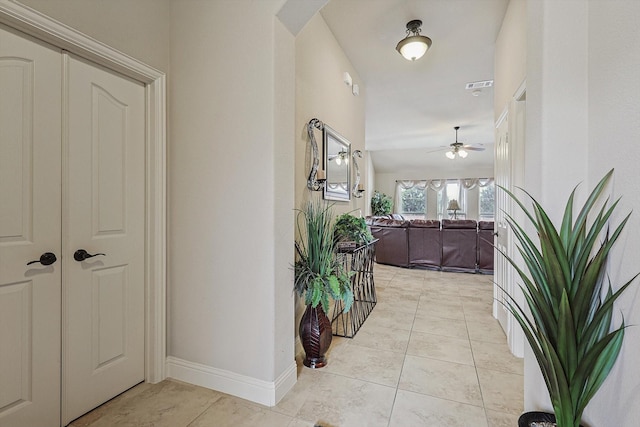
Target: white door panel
{"x": 72, "y": 177}
{"x": 503, "y": 272}
{"x": 104, "y": 295}
{"x": 30, "y": 225}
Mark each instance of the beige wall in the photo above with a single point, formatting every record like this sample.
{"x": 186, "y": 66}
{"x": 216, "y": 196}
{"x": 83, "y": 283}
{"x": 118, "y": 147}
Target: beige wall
{"x": 138, "y": 28}
{"x": 510, "y": 55}
{"x": 582, "y": 63}
{"x": 321, "y": 93}
{"x": 614, "y": 133}
{"x": 230, "y": 133}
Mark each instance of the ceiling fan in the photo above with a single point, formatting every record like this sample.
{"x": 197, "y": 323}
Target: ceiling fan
{"x": 459, "y": 149}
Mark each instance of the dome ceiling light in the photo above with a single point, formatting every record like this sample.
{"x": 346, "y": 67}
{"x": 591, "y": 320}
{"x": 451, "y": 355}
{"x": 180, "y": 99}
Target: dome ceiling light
{"x": 413, "y": 46}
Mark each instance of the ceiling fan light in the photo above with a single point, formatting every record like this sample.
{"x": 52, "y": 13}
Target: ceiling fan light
{"x": 413, "y": 46}
{"x": 462, "y": 153}
{"x": 450, "y": 154}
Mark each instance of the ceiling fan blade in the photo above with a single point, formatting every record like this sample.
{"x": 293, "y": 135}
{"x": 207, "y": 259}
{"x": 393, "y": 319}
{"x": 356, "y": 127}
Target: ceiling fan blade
{"x": 472, "y": 148}
{"x": 438, "y": 150}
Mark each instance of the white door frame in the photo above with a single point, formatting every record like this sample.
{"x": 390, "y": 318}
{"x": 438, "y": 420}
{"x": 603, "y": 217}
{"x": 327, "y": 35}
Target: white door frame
{"x": 34, "y": 23}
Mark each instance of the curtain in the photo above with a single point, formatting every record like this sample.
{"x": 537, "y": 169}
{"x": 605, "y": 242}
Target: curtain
{"x": 405, "y": 185}
{"x": 438, "y": 185}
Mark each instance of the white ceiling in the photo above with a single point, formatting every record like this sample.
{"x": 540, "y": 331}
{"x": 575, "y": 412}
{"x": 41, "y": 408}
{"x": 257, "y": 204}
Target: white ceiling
{"x": 412, "y": 107}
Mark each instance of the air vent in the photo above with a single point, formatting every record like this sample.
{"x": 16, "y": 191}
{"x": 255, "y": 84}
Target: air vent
{"x": 479, "y": 85}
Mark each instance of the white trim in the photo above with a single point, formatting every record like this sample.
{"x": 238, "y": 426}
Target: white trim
{"x": 259, "y": 391}
{"x": 34, "y": 23}
{"x": 520, "y": 93}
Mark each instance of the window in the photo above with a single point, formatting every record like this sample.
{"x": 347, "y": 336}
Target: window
{"x": 487, "y": 201}
{"x": 413, "y": 204}
{"x": 451, "y": 191}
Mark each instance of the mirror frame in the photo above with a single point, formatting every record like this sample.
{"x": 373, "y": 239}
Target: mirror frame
{"x": 330, "y": 136}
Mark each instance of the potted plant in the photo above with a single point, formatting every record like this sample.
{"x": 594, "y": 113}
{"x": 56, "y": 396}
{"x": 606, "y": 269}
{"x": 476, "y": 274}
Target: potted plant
{"x": 320, "y": 275}
{"x": 570, "y": 300}
{"x": 381, "y": 204}
{"x": 349, "y": 228}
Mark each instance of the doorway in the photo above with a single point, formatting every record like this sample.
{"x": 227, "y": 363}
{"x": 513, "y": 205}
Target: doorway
{"x": 153, "y": 89}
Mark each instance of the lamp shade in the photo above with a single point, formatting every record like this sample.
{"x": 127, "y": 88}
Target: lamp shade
{"x": 453, "y": 205}
{"x": 413, "y": 47}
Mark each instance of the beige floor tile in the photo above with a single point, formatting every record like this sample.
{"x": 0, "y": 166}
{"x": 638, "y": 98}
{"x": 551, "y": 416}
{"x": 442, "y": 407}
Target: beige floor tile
{"x": 481, "y": 309}
{"x": 170, "y": 403}
{"x": 502, "y": 391}
{"x": 497, "y": 357}
{"x": 487, "y": 329}
{"x": 381, "y": 338}
{"x": 440, "y": 347}
{"x": 414, "y": 350}
{"x": 346, "y": 402}
{"x": 397, "y": 305}
{"x": 475, "y": 290}
{"x": 440, "y": 307}
{"x": 416, "y": 410}
{"x": 363, "y": 363}
{"x": 501, "y": 419}
{"x": 391, "y": 319}
{"x": 439, "y": 326}
{"x": 391, "y": 293}
{"x": 301, "y": 423}
{"x": 440, "y": 288}
{"x": 437, "y": 378}
{"x": 297, "y": 396}
{"x": 234, "y": 412}
{"x": 407, "y": 284}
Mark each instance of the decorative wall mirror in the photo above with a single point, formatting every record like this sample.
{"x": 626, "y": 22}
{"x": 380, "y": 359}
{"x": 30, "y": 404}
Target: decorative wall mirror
{"x": 337, "y": 156}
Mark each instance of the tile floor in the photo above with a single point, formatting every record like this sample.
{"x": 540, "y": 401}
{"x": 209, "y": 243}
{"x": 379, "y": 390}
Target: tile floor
{"x": 430, "y": 354}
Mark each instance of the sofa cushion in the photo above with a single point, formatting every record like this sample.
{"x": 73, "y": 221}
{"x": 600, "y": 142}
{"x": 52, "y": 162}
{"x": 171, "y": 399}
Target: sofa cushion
{"x": 485, "y": 225}
{"x": 425, "y": 223}
{"x": 385, "y": 222}
{"x": 459, "y": 223}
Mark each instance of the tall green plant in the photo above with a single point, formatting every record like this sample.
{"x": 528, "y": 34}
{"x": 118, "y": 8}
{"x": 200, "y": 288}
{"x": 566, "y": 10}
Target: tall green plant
{"x": 571, "y": 305}
{"x": 381, "y": 204}
{"x": 319, "y": 273}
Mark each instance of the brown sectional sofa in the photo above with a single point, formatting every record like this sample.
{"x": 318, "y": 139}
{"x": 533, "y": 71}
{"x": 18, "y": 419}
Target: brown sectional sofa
{"x": 450, "y": 245}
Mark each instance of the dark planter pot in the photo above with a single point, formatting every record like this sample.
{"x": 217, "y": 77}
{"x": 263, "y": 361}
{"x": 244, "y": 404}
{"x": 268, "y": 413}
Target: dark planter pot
{"x": 315, "y": 335}
{"x": 528, "y": 418}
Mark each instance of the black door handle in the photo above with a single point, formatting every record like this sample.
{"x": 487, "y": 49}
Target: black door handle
{"x": 81, "y": 255}
{"x": 46, "y": 258}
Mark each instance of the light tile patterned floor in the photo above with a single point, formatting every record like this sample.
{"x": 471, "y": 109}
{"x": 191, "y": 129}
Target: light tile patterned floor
{"x": 430, "y": 354}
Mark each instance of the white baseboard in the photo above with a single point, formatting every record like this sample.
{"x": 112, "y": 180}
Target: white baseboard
{"x": 259, "y": 391}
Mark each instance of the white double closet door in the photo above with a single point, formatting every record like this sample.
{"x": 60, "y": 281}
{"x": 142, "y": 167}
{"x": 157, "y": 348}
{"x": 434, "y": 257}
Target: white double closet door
{"x": 72, "y": 177}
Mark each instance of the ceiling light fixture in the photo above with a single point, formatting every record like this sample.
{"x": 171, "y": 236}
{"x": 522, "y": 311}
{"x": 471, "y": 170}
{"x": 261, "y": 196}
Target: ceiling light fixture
{"x": 413, "y": 46}
{"x": 459, "y": 149}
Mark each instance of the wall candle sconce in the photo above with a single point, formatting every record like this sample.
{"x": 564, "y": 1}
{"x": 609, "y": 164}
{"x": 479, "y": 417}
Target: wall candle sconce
{"x": 317, "y": 177}
{"x": 358, "y": 189}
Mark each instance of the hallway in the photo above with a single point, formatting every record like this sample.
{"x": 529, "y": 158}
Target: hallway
{"x": 430, "y": 354}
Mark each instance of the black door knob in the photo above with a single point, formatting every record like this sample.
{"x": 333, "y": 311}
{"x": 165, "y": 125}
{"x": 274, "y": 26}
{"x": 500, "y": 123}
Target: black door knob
{"x": 46, "y": 258}
{"x": 80, "y": 255}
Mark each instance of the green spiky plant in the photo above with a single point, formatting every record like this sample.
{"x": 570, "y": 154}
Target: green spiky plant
{"x": 319, "y": 273}
{"x": 571, "y": 304}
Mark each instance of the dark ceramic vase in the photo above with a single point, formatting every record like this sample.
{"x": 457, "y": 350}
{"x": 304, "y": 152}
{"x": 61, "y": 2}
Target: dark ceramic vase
{"x": 315, "y": 335}
{"x": 528, "y": 418}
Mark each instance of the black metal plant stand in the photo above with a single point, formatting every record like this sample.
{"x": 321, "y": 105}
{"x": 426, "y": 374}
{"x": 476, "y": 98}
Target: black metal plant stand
{"x": 359, "y": 261}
